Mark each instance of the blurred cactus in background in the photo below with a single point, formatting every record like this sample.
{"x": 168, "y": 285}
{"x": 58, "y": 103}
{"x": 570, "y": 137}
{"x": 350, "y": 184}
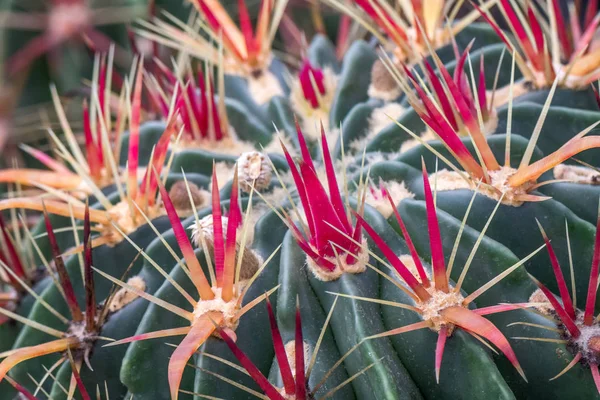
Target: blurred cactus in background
{"x": 343, "y": 199}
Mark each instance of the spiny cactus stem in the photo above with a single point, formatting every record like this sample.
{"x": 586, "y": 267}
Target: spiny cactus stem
{"x": 385, "y": 22}
{"x": 562, "y": 285}
{"x": 149, "y": 185}
{"x": 233, "y": 222}
{"x": 90, "y": 289}
{"x": 501, "y": 308}
{"x": 280, "y": 353}
{"x": 20, "y": 388}
{"x": 573, "y": 362}
{"x": 254, "y": 372}
{"x": 15, "y": 260}
{"x": 573, "y": 147}
{"x": 411, "y": 247}
{"x": 56, "y": 179}
{"x": 596, "y": 375}
{"x": 312, "y": 83}
{"x": 28, "y": 353}
{"x": 436, "y": 121}
{"x": 474, "y": 323}
{"x": 560, "y": 311}
{"x": 63, "y": 275}
{"x": 402, "y": 270}
{"x": 199, "y": 332}
{"x": 75, "y": 368}
{"x": 221, "y": 22}
{"x": 470, "y": 120}
{"x": 439, "y": 351}
{"x": 588, "y": 317}
{"x": 299, "y": 353}
{"x": 435, "y": 238}
{"x": 197, "y": 274}
{"x": 294, "y": 382}
{"x": 443, "y": 310}
{"x": 94, "y": 162}
{"x": 328, "y": 222}
{"x": 45, "y": 159}
{"x": 134, "y": 129}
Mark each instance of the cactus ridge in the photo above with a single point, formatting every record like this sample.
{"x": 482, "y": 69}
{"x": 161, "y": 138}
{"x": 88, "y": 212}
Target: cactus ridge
{"x": 374, "y": 173}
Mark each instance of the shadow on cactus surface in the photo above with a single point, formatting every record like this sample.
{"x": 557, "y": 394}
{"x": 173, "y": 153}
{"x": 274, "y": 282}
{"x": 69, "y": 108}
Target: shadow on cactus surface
{"x": 299, "y": 200}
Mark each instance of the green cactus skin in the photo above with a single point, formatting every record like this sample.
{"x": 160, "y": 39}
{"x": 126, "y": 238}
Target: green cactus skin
{"x": 561, "y": 124}
{"x": 519, "y": 220}
{"x": 353, "y": 82}
{"x": 259, "y": 348}
{"x": 491, "y": 259}
{"x": 120, "y": 325}
{"x": 10, "y": 331}
{"x": 403, "y": 365}
{"x": 144, "y": 371}
{"x": 388, "y": 378}
{"x": 295, "y": 284}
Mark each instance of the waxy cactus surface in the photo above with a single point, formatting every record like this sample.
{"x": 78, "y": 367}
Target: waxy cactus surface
{"x": 315, "y": 200}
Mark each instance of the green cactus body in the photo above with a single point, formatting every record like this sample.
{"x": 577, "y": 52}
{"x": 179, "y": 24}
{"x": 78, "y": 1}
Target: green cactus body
{"x": 121, "y": 324}
{"x": 355, "y": 256}
{"x": 518, "y": 219}
{"x": 295, "y": 285}
{"x": 65, "y": 62}
{"x": 550, "y": 357}
{"x": 388, "y": 378}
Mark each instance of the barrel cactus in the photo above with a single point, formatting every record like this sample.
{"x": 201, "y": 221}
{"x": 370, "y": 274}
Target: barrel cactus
{"x": 358, "y": 221}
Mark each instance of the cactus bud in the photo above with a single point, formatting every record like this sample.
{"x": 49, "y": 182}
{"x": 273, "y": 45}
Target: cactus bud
{"x": 254, "y": 171}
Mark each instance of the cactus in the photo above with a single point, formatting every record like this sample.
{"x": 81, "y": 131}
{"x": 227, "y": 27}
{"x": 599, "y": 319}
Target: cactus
{"x": 357, "y": 223}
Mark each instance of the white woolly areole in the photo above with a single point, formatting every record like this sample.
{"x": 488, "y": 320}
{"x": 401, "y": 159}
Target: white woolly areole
{"x": 230, "y": 145}
{"x": 290, "y": 352}
{"x": 409, "y": 263}
{"x": 253, "y": 170}
{"x": 274, "y": 145}
{"x": 588, "y": 342}
{"x": 426, "y": 136}
{"x": 445, "y": 180}
{"x": 228, "y": 309}
{"x": 383, "y": 85}
{"x": 588, "y": 333}
{"x": 573, "y": 81}
{"x": 380, "y": 118}
{"x": 388, "y": 94}
{"x": 431, "y": 309}
{"x": 542, "y": 304}
{"x": 120, "y": 214}
{"x": 577, "y": 174}
{"x": 309, "y": 116}
{"x": 124, "y": 296}
{"x": 224, "y": 172}
{"x": 397, "y": 190}
{"x": 264, "y": 86}
{"x": 341, "y": 266}
{"x": 502, "y": 95}
{"x": 205, "y": 227}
